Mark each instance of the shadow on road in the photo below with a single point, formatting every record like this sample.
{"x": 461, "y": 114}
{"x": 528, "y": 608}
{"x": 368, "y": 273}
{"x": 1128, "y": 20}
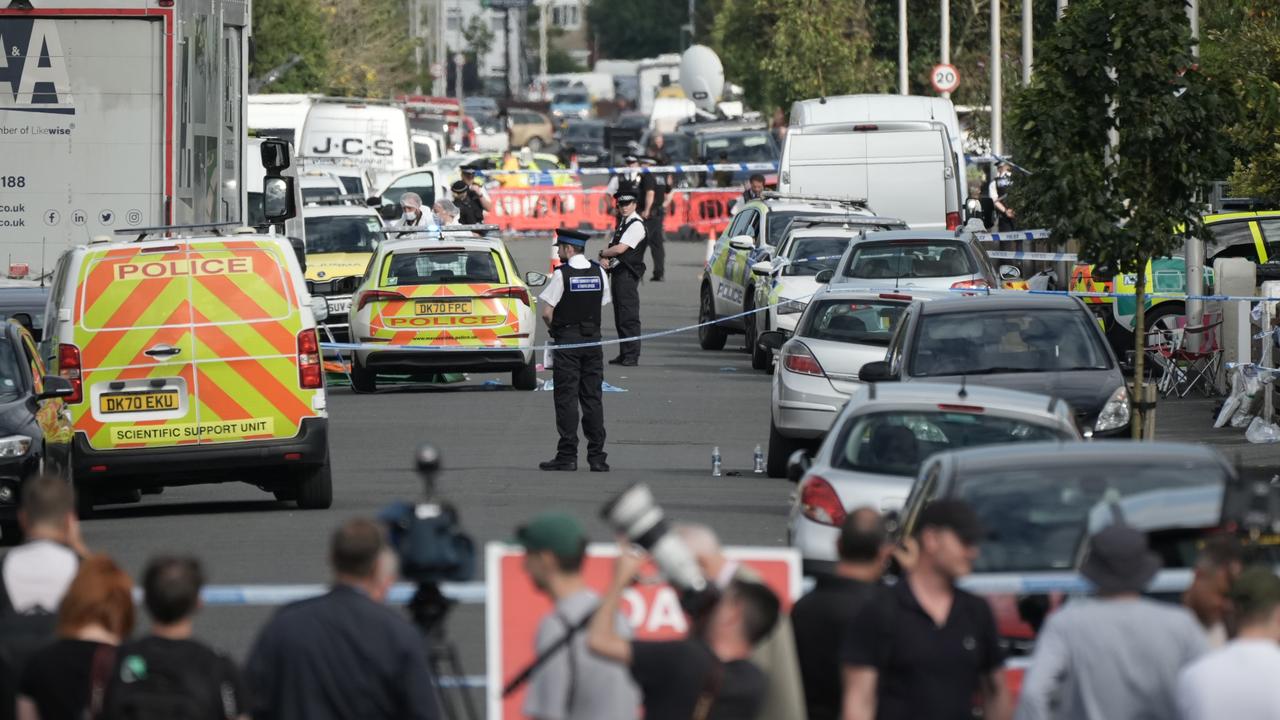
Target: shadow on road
{"x": 213, "y": 507}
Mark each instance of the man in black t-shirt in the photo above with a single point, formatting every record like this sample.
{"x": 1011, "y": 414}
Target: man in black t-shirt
{"x": 703, "y": 677}
{"x": 925, "y": 648}
{"x": 821, "y": 617}
{"x": 167, "y": 674}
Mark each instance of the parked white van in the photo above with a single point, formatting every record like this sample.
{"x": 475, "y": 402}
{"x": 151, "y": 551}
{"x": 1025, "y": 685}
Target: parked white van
{"x": 374, "y": 134}
{"x": 905, "y": 170}
{"x": 279, "y": 116}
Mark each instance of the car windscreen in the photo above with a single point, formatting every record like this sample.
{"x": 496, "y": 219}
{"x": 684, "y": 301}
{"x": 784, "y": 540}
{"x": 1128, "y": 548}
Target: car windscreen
{"x": 591, "y": 132}
{"x": 865, "y": 322}
{"x": 895, "y": 443}
{"x": 570, "y": 98}
{"x": 780, "y": 222}
{"x": 741, "y": 147}
{"x": 441, "y": 267}
{"x": 1006, "y": 341}
{"x": 909, "y": 259}
{"x": 10, "y": 380}
{"x": 342, "y": 234}
{"x": 1037, "y": 517}
{"x": 812, "y": 255}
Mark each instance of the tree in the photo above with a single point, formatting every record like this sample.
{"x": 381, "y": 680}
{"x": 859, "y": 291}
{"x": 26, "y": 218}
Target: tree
{"x": 371, "y": 52}
{"x": 1133, "y": 201}
{"x": 632, "y": 29}
{"x": 479, "y": 38}
{"x": 284, "y": 28}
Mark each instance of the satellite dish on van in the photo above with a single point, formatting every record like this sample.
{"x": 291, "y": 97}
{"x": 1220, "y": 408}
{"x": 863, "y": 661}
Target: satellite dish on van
{"x": 702, "y": 76}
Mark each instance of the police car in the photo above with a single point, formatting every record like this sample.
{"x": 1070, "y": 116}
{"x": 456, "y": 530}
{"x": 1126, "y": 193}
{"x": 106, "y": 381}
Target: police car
{"x": 340, "y": 241}
{"x": 757, "y": 229}
{"x": 813, "y": 244}
{"x": 450, "y": 301}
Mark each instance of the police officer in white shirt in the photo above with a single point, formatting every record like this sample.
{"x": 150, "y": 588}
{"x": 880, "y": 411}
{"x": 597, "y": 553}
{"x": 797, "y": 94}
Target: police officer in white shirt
{"x": 625, "y": 262}
{"x": 571, "y": 305}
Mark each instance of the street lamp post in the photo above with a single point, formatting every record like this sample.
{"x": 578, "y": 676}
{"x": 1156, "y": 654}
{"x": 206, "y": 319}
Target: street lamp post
{"x": 946, "y": 36}
{"x": 1028, "y": 36}
{"x": 997, "y": 98}
{"x": 902, "y": 47}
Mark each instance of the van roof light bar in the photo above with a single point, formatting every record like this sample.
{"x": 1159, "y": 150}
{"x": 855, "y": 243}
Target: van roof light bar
{"x": 143, "y": 232}
{"x": 773, "y": 195}
{"x": 873, "y": 220}
{"x": 436, "y": 229}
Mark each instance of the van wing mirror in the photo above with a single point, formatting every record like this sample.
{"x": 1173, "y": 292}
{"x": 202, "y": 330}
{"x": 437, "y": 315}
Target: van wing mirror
{"x": 535, "y": 279}
{"x": 824, "y": 276}
{"x": 772, "y": 340}
{"x": 55, "y": 386}
{"x": 877, "y": 371}
{"x": 299, "y": 251}
{"x": 319, "y": 308}
{"x": 798, "y": 464}
{"x": 743, "y": 242}
{"x": 275, "y": 156}
{"x": 277, "y": 199}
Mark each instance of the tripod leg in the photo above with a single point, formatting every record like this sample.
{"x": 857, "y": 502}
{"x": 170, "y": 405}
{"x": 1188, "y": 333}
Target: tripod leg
{"x": 446, "y": 655}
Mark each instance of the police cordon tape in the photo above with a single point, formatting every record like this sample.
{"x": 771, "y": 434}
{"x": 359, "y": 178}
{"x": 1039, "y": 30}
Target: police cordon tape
{"x": 350, "y": 346}
{"x": 703, "y": 168}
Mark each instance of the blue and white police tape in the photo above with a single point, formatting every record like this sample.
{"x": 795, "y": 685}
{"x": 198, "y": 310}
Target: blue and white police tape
{"x": 1012, "y": 236}
{"x": 701, "y": 168}
{"x": 1020, "y": 255}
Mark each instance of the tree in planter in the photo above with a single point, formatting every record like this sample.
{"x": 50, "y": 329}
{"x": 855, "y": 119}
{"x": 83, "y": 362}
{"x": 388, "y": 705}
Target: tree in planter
{"x": 1131, "y": 202}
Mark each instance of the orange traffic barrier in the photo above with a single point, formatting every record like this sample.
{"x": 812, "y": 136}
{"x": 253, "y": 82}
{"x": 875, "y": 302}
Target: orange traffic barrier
{"x": 695, "y": 212}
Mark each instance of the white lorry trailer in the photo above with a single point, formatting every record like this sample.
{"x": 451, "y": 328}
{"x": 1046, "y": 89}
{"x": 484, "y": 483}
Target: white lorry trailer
{"x": 117, "y": 114}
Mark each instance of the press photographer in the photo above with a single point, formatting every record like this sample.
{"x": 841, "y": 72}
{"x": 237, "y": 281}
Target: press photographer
{"x": 706, "y": 676}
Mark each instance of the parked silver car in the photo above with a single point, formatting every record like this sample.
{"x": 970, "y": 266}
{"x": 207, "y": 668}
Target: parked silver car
{"x": 875, "y": 447}
{"x": 817, "y": 369}
{"x": 919, "y": 260}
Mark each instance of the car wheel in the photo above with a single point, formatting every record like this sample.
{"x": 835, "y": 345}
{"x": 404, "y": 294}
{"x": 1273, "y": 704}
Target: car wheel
{"x": 761, "y": 358}
{"x": 780, "y": 449}
{"x": 315, "y": 488}
{"x": 535, "y": 144}
{"x": 363, "y": 380}
{"x": 526, "y": 378}
{"x": 710, "y": 337}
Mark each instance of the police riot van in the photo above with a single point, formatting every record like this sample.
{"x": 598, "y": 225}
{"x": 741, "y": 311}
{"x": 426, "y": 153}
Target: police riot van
{"x": 194, "y": 358}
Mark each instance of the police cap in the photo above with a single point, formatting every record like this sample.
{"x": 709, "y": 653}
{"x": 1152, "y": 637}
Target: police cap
{"x": 646, "y": 160}
{"x": 565, "y": 236}
{"x": 622, "y": 197}
{"x": 458, "y": 186}
{"x": 630, "y": 158}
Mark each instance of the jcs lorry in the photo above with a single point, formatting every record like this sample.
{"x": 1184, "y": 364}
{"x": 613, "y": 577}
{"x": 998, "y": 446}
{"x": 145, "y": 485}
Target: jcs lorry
{"x": 118, "y": 114}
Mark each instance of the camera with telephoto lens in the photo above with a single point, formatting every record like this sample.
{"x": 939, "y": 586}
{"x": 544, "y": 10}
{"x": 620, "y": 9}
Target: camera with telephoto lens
{"x": 635, "y": 514}
{"x": 428, "y": 535}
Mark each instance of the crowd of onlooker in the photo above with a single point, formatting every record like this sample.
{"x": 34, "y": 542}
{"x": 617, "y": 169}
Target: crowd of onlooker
{"x": 853, "y": 647}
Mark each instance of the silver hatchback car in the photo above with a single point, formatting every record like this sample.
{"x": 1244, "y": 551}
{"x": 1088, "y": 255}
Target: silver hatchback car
{"x": 875, "y": 447}
{"x": 919, "y": 260}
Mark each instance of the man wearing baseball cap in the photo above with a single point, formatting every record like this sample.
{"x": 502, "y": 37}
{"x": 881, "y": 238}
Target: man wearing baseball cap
{"x": 571, "y": 305}
{"x": 573, "y": 683}
{"x": 1118, "y": 654}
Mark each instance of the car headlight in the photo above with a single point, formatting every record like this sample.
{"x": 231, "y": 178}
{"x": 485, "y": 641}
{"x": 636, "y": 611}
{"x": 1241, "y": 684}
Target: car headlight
{"x": 1115, "y": 413}
{"x": 788, "y": 307}
{"x": 14, "y": 446}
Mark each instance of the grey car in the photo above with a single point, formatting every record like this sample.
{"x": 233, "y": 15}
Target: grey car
{"x": 919, "y": 260}
{"x": 874, "y": 449}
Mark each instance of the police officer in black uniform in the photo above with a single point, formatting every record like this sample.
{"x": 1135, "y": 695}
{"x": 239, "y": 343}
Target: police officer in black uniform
{"x": 469, "y": 210}
{"x": 625, "y": 262}
{"x": 627, "y": 182}
{"x": 653, "y": 199}
{"x": 999, "y": 194}
{"x": 571, "y": 306}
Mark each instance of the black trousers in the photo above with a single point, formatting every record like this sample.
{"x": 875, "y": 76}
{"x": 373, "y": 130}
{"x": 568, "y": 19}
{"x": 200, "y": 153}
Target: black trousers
{"x": 625, "y": 288}
{"x": 653, "y": 238}
{"x": 578, "y": 373}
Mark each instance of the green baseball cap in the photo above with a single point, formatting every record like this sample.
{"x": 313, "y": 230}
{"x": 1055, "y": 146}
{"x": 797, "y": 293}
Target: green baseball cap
{"x": 1256, "y": 590}
{"x": 559, "y": 533}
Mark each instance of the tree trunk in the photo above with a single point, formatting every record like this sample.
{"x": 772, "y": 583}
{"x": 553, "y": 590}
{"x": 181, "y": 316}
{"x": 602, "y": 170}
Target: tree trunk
{"x": 1138, "y": 413}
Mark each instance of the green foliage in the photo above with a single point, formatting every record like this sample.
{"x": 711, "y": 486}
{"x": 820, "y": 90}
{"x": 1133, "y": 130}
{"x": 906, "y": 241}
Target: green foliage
{"x": 632, "y": 29}
{"x": 478, "y": 36}
{"x": 282, "y": 29}
{"x": 781, "y": 51}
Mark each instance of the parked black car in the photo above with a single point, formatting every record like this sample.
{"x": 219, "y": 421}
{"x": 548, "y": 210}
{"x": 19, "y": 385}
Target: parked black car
{"x": 26, "y": 305}
{"x": 1035, "y": 343}
{"x": 35, "y": 426}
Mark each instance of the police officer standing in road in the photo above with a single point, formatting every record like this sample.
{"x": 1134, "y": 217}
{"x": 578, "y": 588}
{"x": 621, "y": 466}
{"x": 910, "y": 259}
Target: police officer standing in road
{"x": 625, "y": 262}
{"x": 571, "y": 309}
{"x": 998, "y": 191}
{"x": 654, "y": 197}
{"x": 629, "y": 181}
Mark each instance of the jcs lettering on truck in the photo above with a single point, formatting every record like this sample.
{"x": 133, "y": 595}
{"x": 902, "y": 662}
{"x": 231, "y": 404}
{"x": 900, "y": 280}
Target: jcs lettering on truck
{"x": 179, "y": 268}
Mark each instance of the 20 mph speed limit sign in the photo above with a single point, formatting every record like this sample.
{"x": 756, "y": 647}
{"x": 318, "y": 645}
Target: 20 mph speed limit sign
{"x": 945, "y": 78}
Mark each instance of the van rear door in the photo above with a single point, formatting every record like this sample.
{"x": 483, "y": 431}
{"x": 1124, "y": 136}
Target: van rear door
{"x": 907, "y": 176}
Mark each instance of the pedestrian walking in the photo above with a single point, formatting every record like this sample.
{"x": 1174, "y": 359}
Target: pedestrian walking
{"x": 344, "y": 654}
{"x": 823, "y": 616}
{"x": 67, "y": 679}
{"x": 654, "y": 212}
{"x": 1239, "y": 680}
{"x": 925, "y": 648}
{"x": 573, "y": 684}
{"x": 167, "y": 674}
{"x": 998, "y": 191}
{"x": 775, "y": 654}
{"x": 1116, "y": 655}
{"x": 35, "y": 576}
{"x": 625, "y": 263}
{"x": 571, "y": 305}
{"x": 707, "y": 676}
{"x": 1219, "y": 563}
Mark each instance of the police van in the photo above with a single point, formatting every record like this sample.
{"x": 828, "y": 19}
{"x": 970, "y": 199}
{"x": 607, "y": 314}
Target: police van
{"x": 194, "y": 359}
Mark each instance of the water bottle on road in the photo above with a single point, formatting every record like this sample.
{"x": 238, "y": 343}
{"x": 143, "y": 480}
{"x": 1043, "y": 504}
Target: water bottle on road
{"x": 715, "y": 462}
{"x": 758, "y": 467}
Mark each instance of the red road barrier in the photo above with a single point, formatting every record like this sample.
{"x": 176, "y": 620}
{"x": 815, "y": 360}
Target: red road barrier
{"x": 695, "y": 213}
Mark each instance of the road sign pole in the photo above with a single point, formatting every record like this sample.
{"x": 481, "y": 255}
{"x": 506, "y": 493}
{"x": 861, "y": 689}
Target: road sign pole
{"x": 1028, "y": 37}
{"x": 902, "y": 47}
{"x": 997, "y": 96}
{"x": 945, "y": 12}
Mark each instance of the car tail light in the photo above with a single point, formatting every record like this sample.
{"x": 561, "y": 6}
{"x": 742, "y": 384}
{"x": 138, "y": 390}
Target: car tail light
{"x": 310, "y": 371}
{"x": 519, "y": 293}
{"x": 953, "y": 220}
{"x": 974, "y": 284}
{"x": 797, "y": 358}
{"x": 894, "y": 296}
{"x": 69, "y": 368}
{"x": 820, "y": 503}
{"x": 371, "y": 296}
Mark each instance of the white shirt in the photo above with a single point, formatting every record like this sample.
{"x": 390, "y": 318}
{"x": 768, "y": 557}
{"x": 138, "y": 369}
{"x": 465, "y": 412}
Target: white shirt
{"x": 554, "y": 290}
{"x": 634, "y": 234}
{"x": 1235, "y": 681}
{"x": 37, "y": 574}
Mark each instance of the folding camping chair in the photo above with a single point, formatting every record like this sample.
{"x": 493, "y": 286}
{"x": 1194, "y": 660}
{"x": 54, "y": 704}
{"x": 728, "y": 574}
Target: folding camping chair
{"x": 1188, "y": 355}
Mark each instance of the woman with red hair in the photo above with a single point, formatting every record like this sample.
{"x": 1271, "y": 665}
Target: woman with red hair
{"x": 67, "y": 679}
